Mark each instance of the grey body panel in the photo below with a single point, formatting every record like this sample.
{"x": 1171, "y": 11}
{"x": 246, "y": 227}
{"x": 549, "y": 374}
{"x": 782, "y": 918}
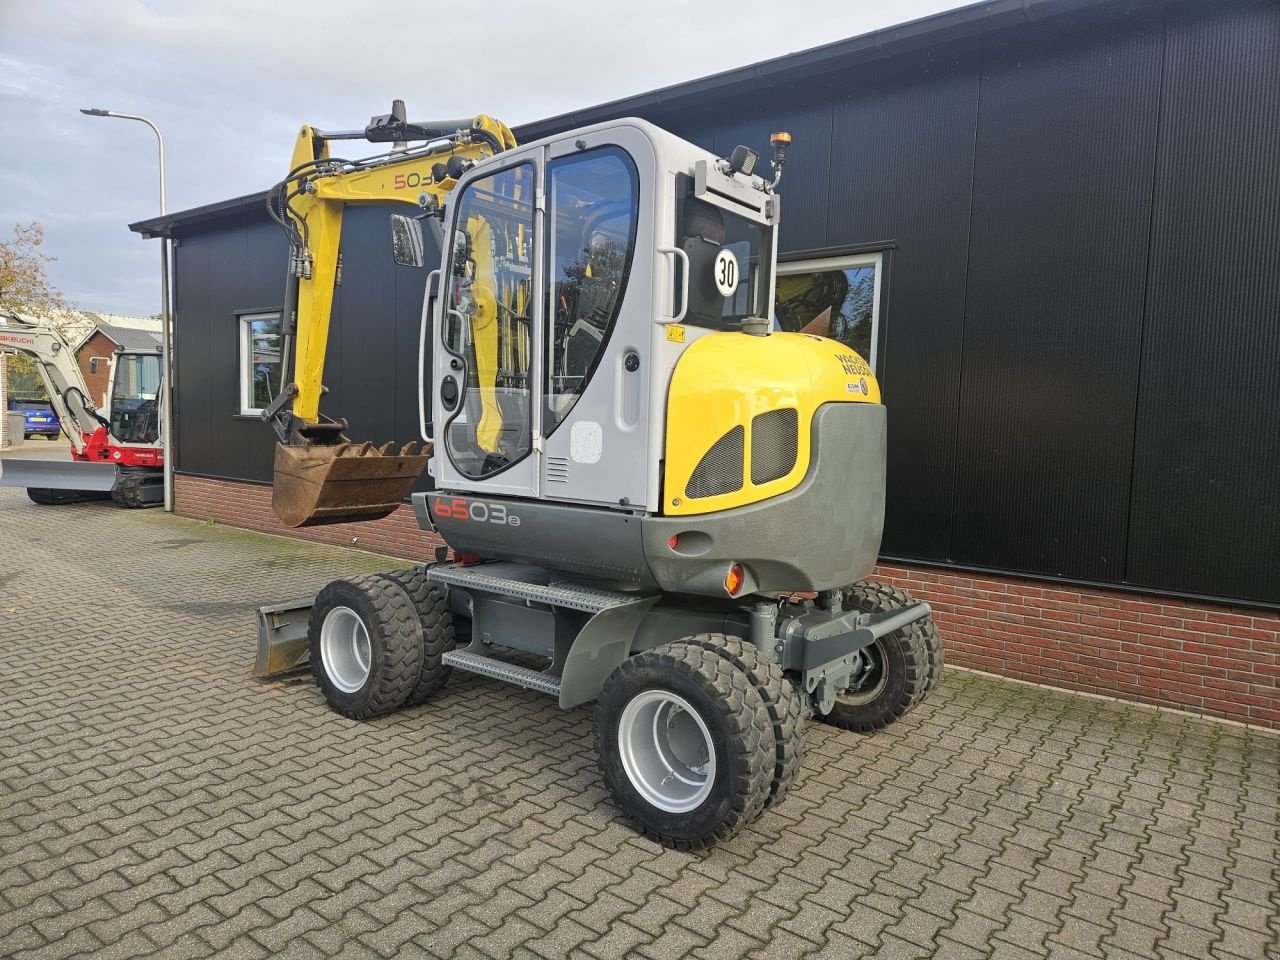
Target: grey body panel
{"x": 823, "y": 534}
{"x": 591, "y": 542}
{"x": 58, "y": 474}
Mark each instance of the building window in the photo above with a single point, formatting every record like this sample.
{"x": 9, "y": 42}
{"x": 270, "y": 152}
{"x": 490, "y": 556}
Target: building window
{"x": 260, "y": 366}
{"x": 837, "y": 298}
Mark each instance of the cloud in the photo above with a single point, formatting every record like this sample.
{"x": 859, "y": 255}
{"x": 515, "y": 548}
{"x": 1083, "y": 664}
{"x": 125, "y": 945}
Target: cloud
{"x": 229, "y": 81}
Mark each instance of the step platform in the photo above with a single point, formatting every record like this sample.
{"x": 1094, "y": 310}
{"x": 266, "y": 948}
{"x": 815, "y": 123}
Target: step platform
{"x": 535, "y": 584}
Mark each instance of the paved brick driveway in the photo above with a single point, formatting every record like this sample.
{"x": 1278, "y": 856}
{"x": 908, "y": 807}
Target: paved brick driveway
{"x": 155, "y": 800}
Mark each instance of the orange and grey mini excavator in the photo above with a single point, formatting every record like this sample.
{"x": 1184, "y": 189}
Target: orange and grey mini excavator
{"x": 656, "y": 500}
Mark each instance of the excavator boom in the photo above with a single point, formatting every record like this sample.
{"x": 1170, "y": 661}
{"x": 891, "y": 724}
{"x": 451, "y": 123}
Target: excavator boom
{"x": 321, "y": 476}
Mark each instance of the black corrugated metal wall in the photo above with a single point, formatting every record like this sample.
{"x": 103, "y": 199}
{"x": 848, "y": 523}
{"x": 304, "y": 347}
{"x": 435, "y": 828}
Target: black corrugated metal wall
{"x": 1080, "y": 340}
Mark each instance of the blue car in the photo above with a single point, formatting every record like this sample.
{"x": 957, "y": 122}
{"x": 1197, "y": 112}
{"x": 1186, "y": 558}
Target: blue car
{"x": 41, "y": 421}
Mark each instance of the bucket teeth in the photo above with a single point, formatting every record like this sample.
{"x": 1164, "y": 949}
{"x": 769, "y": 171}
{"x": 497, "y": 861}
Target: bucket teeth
{"x": 360, "y": 450}
{"x": 385, "y": 449}
{"x": 408, "y": 449}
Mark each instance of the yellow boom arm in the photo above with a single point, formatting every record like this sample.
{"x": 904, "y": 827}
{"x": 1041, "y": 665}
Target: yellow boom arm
{"x": 320, "y": 189}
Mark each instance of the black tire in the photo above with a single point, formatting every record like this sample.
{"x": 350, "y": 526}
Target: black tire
{"x": 898, "y": 670}
{"x": 432, "y": 605}
{"x": 736, "y": 720}
{"x": 786, "y": 709}
{"x": 394, "y": 637}
{"x": 933, "y": 648}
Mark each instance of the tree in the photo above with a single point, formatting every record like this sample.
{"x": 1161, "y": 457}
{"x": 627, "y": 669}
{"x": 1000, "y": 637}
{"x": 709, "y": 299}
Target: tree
{"x": 25, "y": 288}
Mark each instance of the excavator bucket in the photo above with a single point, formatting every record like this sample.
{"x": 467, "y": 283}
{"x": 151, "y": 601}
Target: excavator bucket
{"x": 321, "y": 484}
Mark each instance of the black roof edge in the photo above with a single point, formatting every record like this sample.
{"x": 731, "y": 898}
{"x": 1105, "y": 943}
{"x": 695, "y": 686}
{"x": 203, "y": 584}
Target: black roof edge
{"x": 951, "y": 25}
{"x": 972, "y": 20}
{"x": 163, "y": 226}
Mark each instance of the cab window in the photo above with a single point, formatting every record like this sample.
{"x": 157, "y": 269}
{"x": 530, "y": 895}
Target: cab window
{"x": 729, "y": 259}
{"x": 487, "y": 323}
{"x": 592, "y": 234}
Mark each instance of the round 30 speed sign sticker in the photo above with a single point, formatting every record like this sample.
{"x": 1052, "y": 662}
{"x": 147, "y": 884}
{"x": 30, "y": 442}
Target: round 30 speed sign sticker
{"x": 726, "y": 272}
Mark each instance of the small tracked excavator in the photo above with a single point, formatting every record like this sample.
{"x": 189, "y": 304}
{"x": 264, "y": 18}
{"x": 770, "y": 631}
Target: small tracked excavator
{"x": 120, "y": 455}
{"x": 656, "y": 500}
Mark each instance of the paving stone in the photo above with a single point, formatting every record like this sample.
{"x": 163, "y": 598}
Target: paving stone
{"x": 160, "y": 803}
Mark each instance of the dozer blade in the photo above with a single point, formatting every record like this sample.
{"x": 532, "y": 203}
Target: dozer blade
{"x": 337, "y": 484}
{"x": 79, "y": 475}
{"x": 282, "y": 637}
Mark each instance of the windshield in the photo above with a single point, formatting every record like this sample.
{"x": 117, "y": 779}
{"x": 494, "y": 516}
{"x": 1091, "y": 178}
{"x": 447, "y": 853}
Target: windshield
{"x": 135, "y": 415}
{"x": 729, "y": 262}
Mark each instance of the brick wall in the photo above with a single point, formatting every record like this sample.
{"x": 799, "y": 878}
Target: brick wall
{"x": 101, "y": 346}
{"x": 249, "y": 505}
{"x": 1217, "y": 660}
{"x": 4, "y": 399}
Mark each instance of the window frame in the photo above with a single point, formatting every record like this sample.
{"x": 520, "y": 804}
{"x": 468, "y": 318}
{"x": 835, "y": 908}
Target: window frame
{"x": 244, "y": 321}
{"x": 536, "y": 223}
{"x": 874, "y": 259}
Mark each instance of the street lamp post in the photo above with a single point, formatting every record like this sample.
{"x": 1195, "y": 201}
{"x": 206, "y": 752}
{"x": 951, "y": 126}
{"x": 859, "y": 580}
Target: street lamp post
{"x": 166, "y": 320}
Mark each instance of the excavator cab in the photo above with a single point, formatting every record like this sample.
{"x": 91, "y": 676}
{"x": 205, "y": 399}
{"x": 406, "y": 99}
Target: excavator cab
{"x": 133, "y": 407}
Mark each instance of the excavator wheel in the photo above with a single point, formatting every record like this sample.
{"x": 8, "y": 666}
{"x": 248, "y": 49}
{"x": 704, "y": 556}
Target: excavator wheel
{"x": 685, "y": 744}
{"x": 786, "y": 709}
{"x": 437, "y": 631}
{"x": 366, "y": 646}
{"x": 898, "y": 670}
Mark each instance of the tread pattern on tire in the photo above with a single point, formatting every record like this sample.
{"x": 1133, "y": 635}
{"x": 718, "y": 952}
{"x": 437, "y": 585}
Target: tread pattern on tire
{"x": 399, "y": 655}
{"x": 871, "y": 597}
{"x": 750, "y": 726}
{"x": 786, "y": 709}
{"x": 438, "y": 638}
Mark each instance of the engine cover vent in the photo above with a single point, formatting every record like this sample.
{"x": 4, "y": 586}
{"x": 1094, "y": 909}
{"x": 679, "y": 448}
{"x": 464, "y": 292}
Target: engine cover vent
{"x": 720, "y": 469}
{"x": 774, "y": 444}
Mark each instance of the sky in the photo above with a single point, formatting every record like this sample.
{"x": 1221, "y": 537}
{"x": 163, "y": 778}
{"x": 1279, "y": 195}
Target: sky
{"x": 229, "y": 81}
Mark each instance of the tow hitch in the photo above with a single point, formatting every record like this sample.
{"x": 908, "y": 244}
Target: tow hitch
{"x": 825, "y": 646}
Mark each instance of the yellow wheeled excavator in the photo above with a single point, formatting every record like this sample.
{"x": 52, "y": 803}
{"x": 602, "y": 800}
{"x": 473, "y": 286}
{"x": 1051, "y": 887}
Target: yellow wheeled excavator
{"x": 656, "y": 499}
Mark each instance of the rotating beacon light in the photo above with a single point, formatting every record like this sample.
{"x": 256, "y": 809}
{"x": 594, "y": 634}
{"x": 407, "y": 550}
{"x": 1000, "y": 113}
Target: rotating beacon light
{"x": 779, "y": 141}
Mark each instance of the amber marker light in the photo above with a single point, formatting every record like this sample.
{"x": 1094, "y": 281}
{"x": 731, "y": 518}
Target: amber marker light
{"x": 734, "y": 579}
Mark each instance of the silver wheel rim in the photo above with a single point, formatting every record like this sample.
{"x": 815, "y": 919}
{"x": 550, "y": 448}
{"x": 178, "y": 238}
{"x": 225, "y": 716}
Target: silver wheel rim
{"x": 345, "y": 649}
{"x": 874, "y": 676}
{"x": 667, "y": 752}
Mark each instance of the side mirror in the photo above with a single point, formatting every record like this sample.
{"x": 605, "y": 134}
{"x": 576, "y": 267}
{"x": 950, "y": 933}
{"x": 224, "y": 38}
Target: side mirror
{"x": 406, "y": 241}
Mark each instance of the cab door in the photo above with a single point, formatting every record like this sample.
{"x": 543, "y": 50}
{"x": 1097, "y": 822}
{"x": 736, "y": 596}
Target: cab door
{"x": 487, "y": 368}
{"x": 599, "y": 300}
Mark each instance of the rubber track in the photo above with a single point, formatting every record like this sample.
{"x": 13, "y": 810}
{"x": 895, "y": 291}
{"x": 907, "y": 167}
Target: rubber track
{"x": 786, "y": 709}
{"x": 437, "y": 631}
{"x": 400, "y": 657}
{"x": 128, "y": 491}
{"x": 751, "y": 726}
